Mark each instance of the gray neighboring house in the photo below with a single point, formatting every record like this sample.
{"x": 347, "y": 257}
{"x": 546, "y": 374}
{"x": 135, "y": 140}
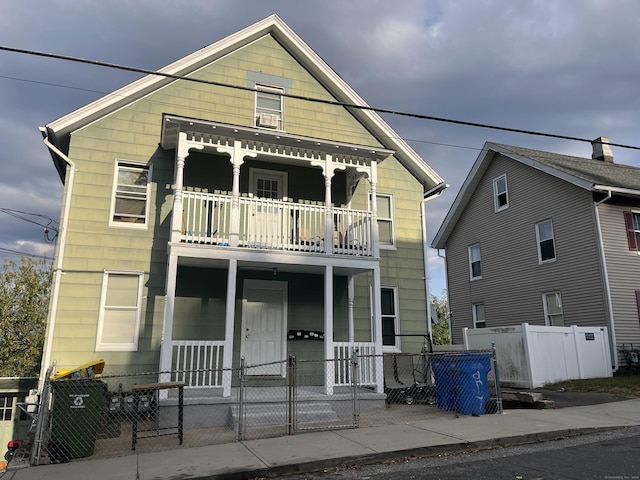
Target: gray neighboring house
{"x": 540, "y": 238}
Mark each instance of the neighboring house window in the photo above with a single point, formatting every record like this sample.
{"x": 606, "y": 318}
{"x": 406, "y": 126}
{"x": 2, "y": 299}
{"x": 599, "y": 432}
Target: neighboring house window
{"x": 553, "y": 309}
{"x": 386, "y": 228}
{"x": 130, "y": 202}
{"x": 546, "y": 243}
{"x": 389, "y": 299}
{"x": 478, "y": 316}
{"x": 120, "y": 305}
{"x": 632, "y": 223}
{"x": 475, "y": 264}
{"x": 6, "y": 407}
{"x": 500, "y": 194}
{"x": 269, "y": 106}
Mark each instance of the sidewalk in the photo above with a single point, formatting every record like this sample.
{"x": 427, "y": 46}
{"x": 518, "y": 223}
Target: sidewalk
{"x": 275, "y": 457}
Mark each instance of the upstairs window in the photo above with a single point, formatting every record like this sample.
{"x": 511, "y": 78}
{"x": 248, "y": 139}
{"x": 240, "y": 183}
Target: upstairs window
{"x": 479, "y": 320}
{"x": 475, "y": 263}
{"x": 269, "y": 106}
{"x": 553, "y": 309}
{"x": 500, "y": 194}
{"x": 386, "y": 230}
{"x": 130, "y": 201}
{"x": 546, "y": 242}
{"x": 632, "y": 224}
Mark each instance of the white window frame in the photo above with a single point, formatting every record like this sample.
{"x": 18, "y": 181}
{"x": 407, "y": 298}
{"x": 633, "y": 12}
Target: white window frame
{"x": 497, "y": 193}
{"x": 472, "y": 261}
{"x": 119, "y": 347}
{"x": 121, "y": 163}
{"x": 547, "y": 314}
{"x": 270, "y": 91}
{"x": 476, "y": 320}
{"x": 539, "y": 241}
{"x": 396, "y": 320}
{"x": 391, "y": 220}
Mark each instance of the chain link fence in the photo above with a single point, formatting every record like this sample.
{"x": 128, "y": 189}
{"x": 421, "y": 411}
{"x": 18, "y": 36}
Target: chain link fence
{"x": 115, "y": 415}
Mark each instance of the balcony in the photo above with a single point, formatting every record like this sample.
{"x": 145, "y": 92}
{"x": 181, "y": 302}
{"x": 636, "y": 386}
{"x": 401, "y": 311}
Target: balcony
{"x": 207, "y": 219}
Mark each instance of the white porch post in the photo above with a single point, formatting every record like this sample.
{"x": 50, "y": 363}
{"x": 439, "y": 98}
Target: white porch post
{"x": 166, "y": 348}
{"x": 182, "y": 152}
{"x": 227, "y": 355}
{"x": 328, "y": 223}
{"x": 329, "y": 354}
{"x": 350, "y": 295}
{"x": 236, "y": 161}
{"x": 377, "y": 327}
{"x": 373, "y": 178}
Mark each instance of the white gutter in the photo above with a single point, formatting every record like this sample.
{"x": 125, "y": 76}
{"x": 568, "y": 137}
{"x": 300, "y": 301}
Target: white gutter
{"x": 57, "y": 272}
{"x": 435, "y": 192}
{"x": 607, "y": 287}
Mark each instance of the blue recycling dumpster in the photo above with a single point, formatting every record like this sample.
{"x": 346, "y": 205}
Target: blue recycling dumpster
{"x": 472, "y": 383}
{"x": 461, "y": 381}
{"x": 444, "y": 370}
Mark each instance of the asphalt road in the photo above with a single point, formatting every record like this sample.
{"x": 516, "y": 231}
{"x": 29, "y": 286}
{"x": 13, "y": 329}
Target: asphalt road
{"x": 611, "y": 455}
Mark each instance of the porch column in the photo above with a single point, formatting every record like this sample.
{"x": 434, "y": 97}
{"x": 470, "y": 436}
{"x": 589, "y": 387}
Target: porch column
{"x": 373, "y": 178}
{"x": 227, "y": 353}
{"x": 376, "y": 306}
{"x": 329, "y": 354}
{"x": 166, "y": 348}
{"x": 328, "y": 210}
{"x": 236, "y": 154}
{"x": 350, "y": 295}
{"x": 182, "y": 152}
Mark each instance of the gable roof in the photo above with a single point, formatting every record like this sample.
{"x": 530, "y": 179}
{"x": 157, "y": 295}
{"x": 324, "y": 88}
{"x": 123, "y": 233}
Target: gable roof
{"x": 586, "y": 173}
{"x": 60, "y": 129}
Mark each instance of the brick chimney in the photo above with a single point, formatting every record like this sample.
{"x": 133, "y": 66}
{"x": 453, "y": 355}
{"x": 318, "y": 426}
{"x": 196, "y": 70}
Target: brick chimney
{"x": 602, "y": 150}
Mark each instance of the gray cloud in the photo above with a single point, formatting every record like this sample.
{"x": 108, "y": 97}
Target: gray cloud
{"x": 567, "y": 67}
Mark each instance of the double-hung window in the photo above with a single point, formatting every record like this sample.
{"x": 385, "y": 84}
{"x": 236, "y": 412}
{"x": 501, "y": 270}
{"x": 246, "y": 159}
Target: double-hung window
{"x": 120, "y": 306}
{"x": 269, "y": 106}
{"x": 479, "y": 320}
{"x": 475, "y": 263}
{"x": 500, "y": 193}
{"x": 553, "y": 309}
{"x": 632, "y": 224}
{"x": 389, "y": 301}
{"x": 386, "y": 228}
{"x": 546, "y": 241}
{"x": 130, "y": 201}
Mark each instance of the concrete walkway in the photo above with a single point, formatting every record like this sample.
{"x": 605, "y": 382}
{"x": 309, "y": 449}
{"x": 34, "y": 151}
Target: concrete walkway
{"x": 275, "y": 457}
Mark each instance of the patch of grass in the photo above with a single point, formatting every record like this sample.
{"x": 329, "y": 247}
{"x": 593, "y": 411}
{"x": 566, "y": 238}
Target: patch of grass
{"x": 626, "y": 386}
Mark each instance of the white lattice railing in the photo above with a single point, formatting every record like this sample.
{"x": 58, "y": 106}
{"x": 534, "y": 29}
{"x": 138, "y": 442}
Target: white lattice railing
{"x": 276, "y": 224}
{"x": 367, "y": 364}
{"x": 197, "y": 363}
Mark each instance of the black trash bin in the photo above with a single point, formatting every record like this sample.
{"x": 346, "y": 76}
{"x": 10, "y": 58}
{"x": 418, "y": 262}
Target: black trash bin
{"x": 78, "y": 406}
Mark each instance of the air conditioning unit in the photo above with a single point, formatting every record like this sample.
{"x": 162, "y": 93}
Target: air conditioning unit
{"x": 268, "y": 120}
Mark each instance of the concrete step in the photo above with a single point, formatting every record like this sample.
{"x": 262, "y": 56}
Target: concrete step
{"x": 272, "y": 414}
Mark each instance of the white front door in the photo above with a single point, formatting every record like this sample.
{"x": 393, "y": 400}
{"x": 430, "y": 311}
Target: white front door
{"x": 264, "y": 325}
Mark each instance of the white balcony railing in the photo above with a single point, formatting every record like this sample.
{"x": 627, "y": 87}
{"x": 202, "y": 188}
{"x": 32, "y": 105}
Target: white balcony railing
{"x": 197, "y": 363}
{"x": 367, "y": 364}
{"x": 276, "y": 224}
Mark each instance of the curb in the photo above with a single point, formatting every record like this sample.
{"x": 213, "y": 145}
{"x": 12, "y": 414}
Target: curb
{"x": 431, "y": 451}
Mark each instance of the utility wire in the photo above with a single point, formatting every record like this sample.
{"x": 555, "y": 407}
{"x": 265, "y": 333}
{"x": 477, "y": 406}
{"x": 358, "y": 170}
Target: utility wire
{"x": 308, "y": 99}
{"x": 16, "y": 252}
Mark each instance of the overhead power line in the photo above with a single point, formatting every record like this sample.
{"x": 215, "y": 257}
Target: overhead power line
{"x": 305, "y": 98}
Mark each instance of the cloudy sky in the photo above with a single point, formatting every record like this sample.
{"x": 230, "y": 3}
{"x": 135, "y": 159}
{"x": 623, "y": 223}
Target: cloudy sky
{"x": 569, "y": 67}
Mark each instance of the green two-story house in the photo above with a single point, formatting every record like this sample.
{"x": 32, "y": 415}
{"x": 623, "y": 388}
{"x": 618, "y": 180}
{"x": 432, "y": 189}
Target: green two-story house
{"x": 236, "y": 204}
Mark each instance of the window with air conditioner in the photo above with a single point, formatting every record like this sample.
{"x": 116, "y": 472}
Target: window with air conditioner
{"x": 269, "y": 110}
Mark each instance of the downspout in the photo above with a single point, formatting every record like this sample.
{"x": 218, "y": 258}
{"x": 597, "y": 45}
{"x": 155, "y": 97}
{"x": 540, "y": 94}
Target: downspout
{"x": 449, "y": 315}
{"x": 607, "y": 287}
{"x": 57, "y": 272}
{"x": 435, "y": 192}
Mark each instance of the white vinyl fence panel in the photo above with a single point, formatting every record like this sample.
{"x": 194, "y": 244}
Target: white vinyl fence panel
{"x": 531, "y": 356}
